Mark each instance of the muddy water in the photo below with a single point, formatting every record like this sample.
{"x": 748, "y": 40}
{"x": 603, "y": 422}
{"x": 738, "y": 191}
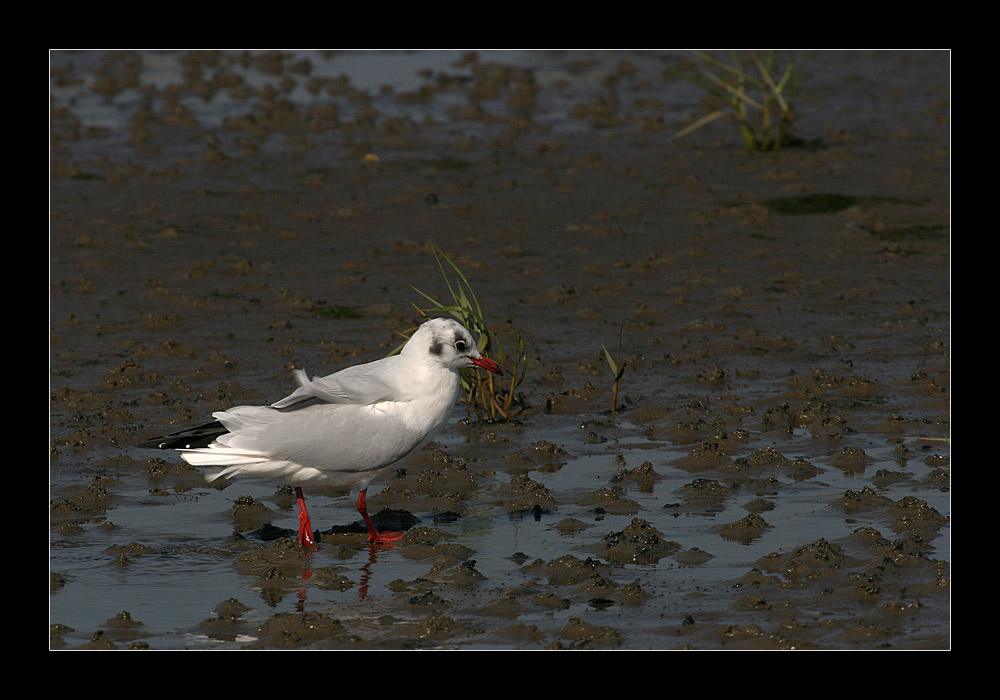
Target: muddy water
{"x": 777, "y": 475}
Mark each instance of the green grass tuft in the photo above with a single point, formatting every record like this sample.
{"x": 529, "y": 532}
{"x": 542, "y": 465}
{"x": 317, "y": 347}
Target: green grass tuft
{"x": 756, "y": 90}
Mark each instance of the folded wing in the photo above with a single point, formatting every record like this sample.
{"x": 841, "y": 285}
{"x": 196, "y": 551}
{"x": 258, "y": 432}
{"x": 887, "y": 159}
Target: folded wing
{"x": 362, "y": 385}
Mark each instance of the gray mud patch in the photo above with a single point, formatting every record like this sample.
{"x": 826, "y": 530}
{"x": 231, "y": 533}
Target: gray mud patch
{"x": 777, "y": 472}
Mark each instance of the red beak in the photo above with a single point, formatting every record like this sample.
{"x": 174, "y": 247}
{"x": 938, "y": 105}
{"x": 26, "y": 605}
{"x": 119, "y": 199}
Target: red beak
{"x": 487, "y": 364}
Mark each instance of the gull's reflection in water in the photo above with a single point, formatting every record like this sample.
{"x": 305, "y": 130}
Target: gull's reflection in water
{"x": 375, "y": 551}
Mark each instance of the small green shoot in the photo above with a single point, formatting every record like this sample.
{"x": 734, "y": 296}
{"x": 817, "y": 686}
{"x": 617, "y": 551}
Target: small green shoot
{"x": 617, "y": 369}
{"x": 757, "y": 94}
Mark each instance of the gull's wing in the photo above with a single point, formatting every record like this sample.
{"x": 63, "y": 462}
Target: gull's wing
{"x": 362, "y": 385}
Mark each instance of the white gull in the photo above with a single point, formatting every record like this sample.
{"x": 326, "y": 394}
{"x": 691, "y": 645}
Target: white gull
{"x": 342, "y": 429}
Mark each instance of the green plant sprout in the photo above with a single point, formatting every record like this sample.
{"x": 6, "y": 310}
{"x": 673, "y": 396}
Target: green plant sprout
{"x": 617, "y": 369}
{"x": 483, "y": 396}
{"x": 759, "y": 102}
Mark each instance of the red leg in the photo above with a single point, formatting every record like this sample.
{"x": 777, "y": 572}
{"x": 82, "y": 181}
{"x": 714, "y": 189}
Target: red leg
{"x": 373, "y": 534}
{"x": 306, "y": 538}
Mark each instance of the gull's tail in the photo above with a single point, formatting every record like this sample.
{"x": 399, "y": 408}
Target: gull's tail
{"x": 235, "y": 460}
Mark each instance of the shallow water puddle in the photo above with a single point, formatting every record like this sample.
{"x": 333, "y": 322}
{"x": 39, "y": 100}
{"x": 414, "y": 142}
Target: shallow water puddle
{"x": 166, "y": 561}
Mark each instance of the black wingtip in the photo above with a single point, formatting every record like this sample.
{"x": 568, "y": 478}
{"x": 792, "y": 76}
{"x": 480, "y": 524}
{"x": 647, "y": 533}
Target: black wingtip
{"x": 198, "y": 436}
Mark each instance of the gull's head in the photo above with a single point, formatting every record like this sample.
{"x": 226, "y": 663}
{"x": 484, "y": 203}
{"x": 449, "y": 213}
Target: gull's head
{"x": 447, "y": 342}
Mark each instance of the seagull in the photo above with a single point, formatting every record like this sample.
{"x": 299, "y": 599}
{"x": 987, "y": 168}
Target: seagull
{"x": 344, "y": 428}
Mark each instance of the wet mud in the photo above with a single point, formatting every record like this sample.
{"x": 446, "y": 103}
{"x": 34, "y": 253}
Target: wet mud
{"x": 775, "y": 474}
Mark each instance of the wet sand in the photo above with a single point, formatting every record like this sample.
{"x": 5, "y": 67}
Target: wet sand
{"x": 777, "y": 475}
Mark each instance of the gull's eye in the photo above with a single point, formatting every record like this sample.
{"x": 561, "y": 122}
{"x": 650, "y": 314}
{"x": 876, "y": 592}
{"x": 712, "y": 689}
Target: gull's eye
{"x": 460, "y": 345}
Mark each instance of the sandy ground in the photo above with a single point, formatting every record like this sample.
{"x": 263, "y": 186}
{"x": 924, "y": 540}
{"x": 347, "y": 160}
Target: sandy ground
{"x": 778, "y": 473}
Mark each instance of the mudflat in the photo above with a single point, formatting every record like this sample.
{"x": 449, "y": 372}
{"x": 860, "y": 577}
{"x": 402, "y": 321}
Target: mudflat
{"x": 775, "y": 473}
